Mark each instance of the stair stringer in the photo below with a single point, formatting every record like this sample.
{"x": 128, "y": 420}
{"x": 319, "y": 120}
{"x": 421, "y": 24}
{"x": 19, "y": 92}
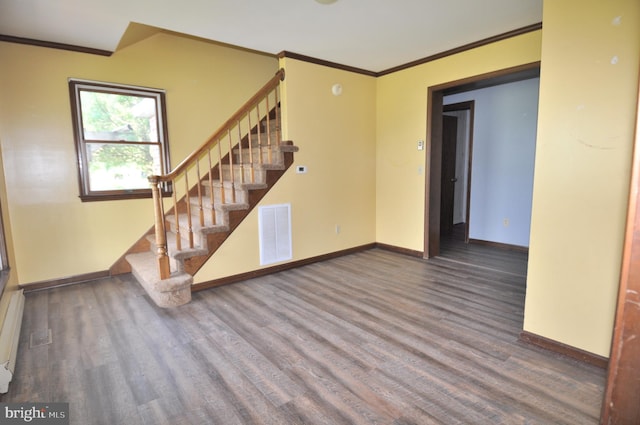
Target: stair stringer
{"x": 141, "y": 258}
{"x": 123, "y": 266}
{"x": 216, "y": 239}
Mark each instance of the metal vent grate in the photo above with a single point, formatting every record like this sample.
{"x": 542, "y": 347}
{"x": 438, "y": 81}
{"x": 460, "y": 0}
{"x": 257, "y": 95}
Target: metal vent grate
{"x": 274, "y": 223}
{"x": 39, "y": 338}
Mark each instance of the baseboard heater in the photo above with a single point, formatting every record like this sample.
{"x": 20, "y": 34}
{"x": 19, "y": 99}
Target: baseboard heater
{"x": 9, "y": 337}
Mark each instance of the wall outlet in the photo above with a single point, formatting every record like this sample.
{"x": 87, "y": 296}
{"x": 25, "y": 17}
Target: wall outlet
{"x": 338, "y": 229}
{"x": 505, "y": 222}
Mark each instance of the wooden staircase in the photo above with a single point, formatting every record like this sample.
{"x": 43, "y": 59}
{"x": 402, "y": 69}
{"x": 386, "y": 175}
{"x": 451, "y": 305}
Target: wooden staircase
{"x": 165, "y": 259}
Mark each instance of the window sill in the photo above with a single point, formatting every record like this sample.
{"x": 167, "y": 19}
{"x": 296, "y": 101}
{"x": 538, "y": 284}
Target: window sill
{"x": 4, "y": 278}
{"x": 121, "y": 196}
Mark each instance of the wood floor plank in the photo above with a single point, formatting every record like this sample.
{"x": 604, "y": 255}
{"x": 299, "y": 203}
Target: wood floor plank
{"x": 372, "y": 337}
{"x": 241, "y": 397}
{"x": 104, "y": 387}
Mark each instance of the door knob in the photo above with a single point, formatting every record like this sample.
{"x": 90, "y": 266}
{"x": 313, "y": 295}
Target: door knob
{"x": 453, "y": 180}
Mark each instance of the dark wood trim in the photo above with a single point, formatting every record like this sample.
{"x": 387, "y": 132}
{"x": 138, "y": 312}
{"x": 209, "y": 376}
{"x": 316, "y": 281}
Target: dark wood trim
{"x": 520, "y": 73}
{"x": 278, "y": 268}
{"x": 476, "y": 44}
{"x": 4, "y": 278}
{"x": 292, "y": 55}
{"x": 471, "y": 107}
{"x": 137, "y": 194}
{"x": 297, "y": 56}
{"x": 86, "y": 194}
{"x": 500, "y": 245}
{"x": 620, "y": 404}
{"x": 564, "y": 350}
{"x": 433, "y": 149}
{"x": 400, "y": 250}
{"x": 461, "y": 106}
{"x": 52, "y": 45}
{"x": 71, "y": 280}
{"x": 492, "y": 78}
{"x": 433, "y": 176}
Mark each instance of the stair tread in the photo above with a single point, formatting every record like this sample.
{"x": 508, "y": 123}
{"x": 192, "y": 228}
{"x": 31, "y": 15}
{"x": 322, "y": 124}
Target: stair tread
{"x": 264, "y": 146}
{"x": 227, "y": 206}
{"x": 195, "y": 223}
{"x": 238, "y": 186}
{"x": 144, "y": 266}
{"x": 246, "y": 166}
{"x": 172, "y": 247}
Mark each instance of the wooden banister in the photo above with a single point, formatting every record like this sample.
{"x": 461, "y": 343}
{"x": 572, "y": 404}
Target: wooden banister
{"x": 161, "y": 235}
{"x": 261, "y": 94}
{"x": 227, "y": 170}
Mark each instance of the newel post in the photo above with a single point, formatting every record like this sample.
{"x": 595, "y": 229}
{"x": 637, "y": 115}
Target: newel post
{"x": 161, "y": 235}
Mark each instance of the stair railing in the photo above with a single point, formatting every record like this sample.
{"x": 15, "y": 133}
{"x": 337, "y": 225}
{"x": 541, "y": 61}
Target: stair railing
{"x": 222, "y": 170}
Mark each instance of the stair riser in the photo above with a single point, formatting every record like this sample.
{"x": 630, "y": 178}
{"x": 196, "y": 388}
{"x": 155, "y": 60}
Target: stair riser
{"x": 241, "y": 195}
{"x": 264, "y": 139}
{"x": 243, "y": 175}
{"x": 199, "y": 240}
{"x": 175, "y": 264}
{"x": 171, "y": 292}
{"x": 208, "y": 219}
{"x": 268, "y": 156}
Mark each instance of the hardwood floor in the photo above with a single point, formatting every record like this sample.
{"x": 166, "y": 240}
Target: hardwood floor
{"x": 488, "y": 257}
{"x": 373, "y": 337}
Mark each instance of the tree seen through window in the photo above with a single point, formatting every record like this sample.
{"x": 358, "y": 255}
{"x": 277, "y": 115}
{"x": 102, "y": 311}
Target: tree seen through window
{"x": 120, "y": 138}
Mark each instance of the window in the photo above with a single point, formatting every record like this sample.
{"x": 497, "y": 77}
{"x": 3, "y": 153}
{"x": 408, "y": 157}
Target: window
{"x": 121, "y": 138}
{"x": 4, "y": 258}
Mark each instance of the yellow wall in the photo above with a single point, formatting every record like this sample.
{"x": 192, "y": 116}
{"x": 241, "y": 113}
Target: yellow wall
{"x": 55, "y": 235}
{"x": 9, "y": 274}
{"x": 336, "y": 136}
{"x": 402, "y": 120}
{"x": 588, "y": 89}
{"x": 360, "y": 150}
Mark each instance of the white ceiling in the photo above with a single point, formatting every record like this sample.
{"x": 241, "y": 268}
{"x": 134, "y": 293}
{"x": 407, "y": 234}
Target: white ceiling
{"x": 374, "y": 35}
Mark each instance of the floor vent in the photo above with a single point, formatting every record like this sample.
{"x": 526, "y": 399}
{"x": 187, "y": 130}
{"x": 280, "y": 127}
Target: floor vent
{"x": 274, "y": 222}
{"x": 37, "y": 339}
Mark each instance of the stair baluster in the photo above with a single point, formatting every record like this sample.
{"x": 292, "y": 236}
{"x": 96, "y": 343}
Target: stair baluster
{"x": 252, "y": 177}
{"x": 211, "y": 201}
{"x": 177, "y": 223}
{"x": 268, "y": 133}
{"x": 278, "y": 123}
{"x": 188, "y": 205}
{"x": 200, "y": 209}
{"x": 231, "y": 174}
{"x": 260, "y": 161}
{"x": 226, "y": 160}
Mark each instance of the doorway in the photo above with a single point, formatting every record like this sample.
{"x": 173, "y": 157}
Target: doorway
{"x": 457, "y": 148}
{"x": 436, "y": 151}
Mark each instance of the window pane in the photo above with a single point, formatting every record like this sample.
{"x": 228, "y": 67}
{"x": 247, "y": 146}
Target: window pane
{"x": 109, "y": 116}
{"x": 120, "y": 137}
{"x": 121, "y": 166}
